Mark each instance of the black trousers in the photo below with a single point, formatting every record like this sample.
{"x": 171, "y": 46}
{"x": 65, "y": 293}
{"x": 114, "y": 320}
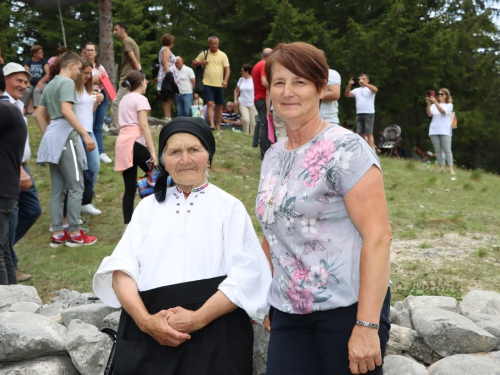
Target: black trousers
{"x": 224, "y": 347}
{"x": 264, "y": 132}
{"x": 141, "y": 156}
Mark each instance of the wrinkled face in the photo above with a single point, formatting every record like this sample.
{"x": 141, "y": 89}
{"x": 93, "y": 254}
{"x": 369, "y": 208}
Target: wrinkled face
{"x": 15, "y": 84}
{"x": 186, "y": 160}
{"x": 90, "y": 52}
{"x": 87, "y": 74}
{"x": 213, "y": 45}
{"x": 294, "y": 98}
{"x": 230, "y": 107}
{"x": 364, "y": 79}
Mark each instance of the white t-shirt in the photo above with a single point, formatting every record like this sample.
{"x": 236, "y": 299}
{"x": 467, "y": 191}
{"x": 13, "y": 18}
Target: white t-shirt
{"x": 185, "y": 75}
{"x": 441, "y": 124}
{"x": 329, "y": 110}
{"x": 84, "y": 110}
{"x": 365, "y": 100}
{"x": 246, "y": 91}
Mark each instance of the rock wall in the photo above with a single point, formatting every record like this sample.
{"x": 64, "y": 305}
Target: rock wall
{"x": 429, "y": 335}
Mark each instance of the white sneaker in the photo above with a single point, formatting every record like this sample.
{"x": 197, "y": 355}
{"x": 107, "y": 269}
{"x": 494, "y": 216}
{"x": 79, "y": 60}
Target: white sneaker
{"x": 105, "y": 128}
{"x": 105, "y": 158}
{"x": 90, "y": 210}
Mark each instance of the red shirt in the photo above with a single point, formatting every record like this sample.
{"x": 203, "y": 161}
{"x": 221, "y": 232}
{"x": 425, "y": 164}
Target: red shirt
{"x": 257, "y": 73}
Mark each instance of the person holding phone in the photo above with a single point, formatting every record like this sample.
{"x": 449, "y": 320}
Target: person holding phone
{"x": 134, "y": 145}
{"x": 365, "y": 106}
{"x": 440, "y": 130}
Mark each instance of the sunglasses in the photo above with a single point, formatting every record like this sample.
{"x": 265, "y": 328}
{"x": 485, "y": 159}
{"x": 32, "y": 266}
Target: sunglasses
{"x": 441, "y": 93}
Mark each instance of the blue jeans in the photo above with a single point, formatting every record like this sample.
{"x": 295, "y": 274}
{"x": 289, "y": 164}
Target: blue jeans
{"x": 25, "y": 214}
{"x": 184, "y": 103}
{"x": 99, "y": 115}
{"x": 93, "y": 161}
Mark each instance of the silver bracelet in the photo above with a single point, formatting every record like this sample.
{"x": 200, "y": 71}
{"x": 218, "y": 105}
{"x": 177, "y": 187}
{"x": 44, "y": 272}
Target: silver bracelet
{"x": 367, "y": 324}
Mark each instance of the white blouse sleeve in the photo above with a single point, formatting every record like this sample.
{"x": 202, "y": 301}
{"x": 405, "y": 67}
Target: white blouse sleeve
{"x": 124, "y": 257}
{"x": 248, "y": 271}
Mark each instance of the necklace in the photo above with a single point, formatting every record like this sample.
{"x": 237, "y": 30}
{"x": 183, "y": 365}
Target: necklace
{"x": 314, "y": 134}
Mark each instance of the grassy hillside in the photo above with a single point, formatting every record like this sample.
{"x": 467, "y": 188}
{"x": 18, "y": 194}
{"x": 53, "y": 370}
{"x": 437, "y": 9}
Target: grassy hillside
{"x": 426, "y": 208}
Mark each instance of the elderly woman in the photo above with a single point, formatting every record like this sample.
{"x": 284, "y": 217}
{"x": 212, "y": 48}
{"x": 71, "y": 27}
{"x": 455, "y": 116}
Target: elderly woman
{"x": 188, "y": 269}
{"x": 322, "y": 207}
{"x": 440, "y": 130}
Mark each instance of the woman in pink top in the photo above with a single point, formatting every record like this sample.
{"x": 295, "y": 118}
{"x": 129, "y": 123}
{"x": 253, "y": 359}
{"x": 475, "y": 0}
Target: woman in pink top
{"x": 134, "y": 146}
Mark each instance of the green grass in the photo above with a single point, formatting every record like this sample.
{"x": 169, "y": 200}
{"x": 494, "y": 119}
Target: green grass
{"x": 423, "y": 205}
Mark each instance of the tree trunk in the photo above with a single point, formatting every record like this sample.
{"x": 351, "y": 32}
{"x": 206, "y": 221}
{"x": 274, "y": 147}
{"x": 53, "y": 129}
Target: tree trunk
{"x": 106, "y": 39}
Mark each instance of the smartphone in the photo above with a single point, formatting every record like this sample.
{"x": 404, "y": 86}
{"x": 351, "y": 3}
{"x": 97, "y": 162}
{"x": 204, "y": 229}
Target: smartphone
{"x": 356, "y": 81}
{"x": 431, "y": 93}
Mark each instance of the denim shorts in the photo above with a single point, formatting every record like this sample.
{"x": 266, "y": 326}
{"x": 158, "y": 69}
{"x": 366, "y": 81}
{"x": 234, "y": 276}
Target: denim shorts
{"x": 213, "y": 94}
{"x": 364, "y": 123}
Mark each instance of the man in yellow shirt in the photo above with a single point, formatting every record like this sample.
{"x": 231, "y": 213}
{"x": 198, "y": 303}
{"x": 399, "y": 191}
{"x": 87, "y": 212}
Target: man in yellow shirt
{"x": 215, "y": 76}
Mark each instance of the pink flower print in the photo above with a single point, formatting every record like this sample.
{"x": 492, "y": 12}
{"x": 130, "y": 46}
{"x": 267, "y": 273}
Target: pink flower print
{"x": 308, "y": 225}
{"x": 318, "y": 155}
{"x": 300, "y": 298}
{"x": 318, "y": 276}
{"x": 300, "y": 272}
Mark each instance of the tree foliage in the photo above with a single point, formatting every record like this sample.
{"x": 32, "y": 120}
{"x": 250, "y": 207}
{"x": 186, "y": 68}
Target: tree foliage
{"x": 407, "y": 47}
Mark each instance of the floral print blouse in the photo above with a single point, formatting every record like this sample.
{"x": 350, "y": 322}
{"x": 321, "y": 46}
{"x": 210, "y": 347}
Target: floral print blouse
{"x": 315, "y": 247}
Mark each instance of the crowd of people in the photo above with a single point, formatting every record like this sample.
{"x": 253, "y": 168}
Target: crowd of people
{"x": 189, "y": 268}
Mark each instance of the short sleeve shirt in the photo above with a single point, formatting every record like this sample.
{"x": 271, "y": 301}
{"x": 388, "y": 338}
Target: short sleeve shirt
{"x": 246, "y": 91}
{"x": 257, "y": 74}
{"x": 213, "y": 74}
{"x": 36, "y": 70}
{"x": 129, "y": 44}
{"x": 128, "y": 110}
{"x": 230, "y": 116}
{"x": 441, "y": 124}
{"x": 60, "y": 89}
{"x": 365, "y": 100}
{"x": 329, "y": 110}
{"x": 315, "y": 247}
{"x": 186, "y": 74}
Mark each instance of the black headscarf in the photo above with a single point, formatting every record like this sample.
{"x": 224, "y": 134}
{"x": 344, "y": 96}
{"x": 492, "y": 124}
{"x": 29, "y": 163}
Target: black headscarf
{"x": 192, "y": 125}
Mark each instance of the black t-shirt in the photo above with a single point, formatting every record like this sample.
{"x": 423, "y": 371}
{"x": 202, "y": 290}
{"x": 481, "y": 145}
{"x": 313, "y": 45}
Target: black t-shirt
{"x": 36, "y": 70}
{"x": 13, "y": 133}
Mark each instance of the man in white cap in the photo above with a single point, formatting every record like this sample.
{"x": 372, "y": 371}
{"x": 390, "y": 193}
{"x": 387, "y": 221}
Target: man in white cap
{"x": 28, "y": 208}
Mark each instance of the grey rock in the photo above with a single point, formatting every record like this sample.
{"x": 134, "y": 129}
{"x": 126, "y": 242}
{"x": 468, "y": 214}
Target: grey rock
{"x": 467, "y": 364}
{"x": 450, "y": 333}
{"x": 402, "y": 319}
{"x": 392, "y": 314}
{"x": 445, "y": 303}
{"x": 423, "y": 352}
{"x": 397, "y": 365}
{"x": 65, "y": 299}
{"x": 88, "y": 348}
{"x": 155, "y": 121}
{"x": 112, "y": 320}
{"x": 10, "y": 294}
{"x": 489, "y": 323}
{"x": 405, "y": 302}
{"x": 400, "y": 339}
{"x": 261, "y": 341}
{"x": 60, "y": 365}
{"x": 26, "y": 335}
{"x": 29, "y": 307}
{"x": 90, "y": 314}
{"x": 398, "y": 305}
{"x": 481, "y": 302}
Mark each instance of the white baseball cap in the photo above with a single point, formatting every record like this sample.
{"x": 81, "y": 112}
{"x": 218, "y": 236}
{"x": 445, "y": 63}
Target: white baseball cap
{"x": 12, "y": 68}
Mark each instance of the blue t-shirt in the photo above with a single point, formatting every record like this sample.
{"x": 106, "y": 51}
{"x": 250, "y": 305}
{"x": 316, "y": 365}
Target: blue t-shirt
{"x": 36, "y": 70}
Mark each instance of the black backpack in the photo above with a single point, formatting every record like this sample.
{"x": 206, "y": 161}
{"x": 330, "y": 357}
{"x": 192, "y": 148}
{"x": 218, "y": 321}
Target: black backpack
{"x": 155, "y": 67}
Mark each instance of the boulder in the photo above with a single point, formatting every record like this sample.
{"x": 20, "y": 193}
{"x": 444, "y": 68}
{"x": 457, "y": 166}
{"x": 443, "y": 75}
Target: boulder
{"x": 29, "y": 307}
{"x": 10, "y": 294}
{"x": 450, "y": 333}
{"x": 480, "y": 302}
{"x": 25, "y": 336}
{"x": 260, "y": 343}
{"x": 400, "y": 339}
{"x": 88, "y": 348}
{"x": 60, "y": 365}
{"x": 402, "y": 319}
{"x": 467, "y": 364}
{"x": 445, "y": 303}
{"x": 489, "y": 323}
{"x": 112, "y": 320}
{"x": 90, "y": 314}
{"x": 398, "y": 365}
{"x": 423, "y": 352}
{"x": 398, "y": 305}
{"x": 65, "y": 299}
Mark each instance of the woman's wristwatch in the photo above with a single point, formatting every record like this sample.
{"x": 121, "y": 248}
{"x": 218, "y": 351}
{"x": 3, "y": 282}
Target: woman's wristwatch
{"x": 367, "y": 324}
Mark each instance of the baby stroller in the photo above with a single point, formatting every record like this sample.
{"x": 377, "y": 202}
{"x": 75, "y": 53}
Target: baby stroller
{"x": 391, "y": 134}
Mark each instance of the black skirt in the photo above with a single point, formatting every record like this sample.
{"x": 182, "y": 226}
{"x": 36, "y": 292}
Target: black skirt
{"x": 224, "y": 347}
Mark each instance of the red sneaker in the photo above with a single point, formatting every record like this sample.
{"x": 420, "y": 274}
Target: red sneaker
{"x": 81, "y": 240}
{"x": 57, "y": 242}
